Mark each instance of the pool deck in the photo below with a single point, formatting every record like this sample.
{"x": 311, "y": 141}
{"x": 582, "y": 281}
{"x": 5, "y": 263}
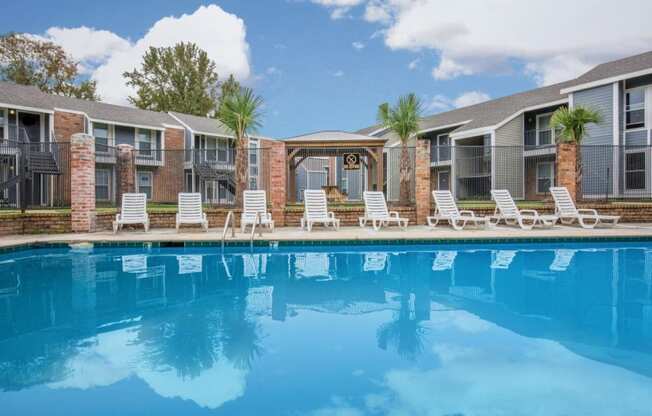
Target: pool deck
{"x": 344, "y": 234}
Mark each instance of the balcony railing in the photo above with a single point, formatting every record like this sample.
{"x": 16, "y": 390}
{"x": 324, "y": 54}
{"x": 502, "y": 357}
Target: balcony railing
{"x": 149, "y": 157}
{"x": 217, "y": 159}
{"x": 440, "y": 154}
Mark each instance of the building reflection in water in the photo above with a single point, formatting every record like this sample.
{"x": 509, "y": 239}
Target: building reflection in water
{"x": 189, "y": 310}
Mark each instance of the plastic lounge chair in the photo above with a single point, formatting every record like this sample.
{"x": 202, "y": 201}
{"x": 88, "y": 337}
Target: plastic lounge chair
{"x": 446, "y": 210}
{"x": 507, "y": 211}
{"x": 568, "y": 213}
{"x": 375, "y": 210}
{"x": 134, "y": 211}
{"x": 190, "y": 211}
{"x": 316, "y": 210}
{"x": 255, "y": 202}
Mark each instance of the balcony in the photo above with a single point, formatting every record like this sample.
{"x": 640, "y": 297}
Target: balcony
{"x": 105, "y": 154}
{"x": 539, "y": 142}
{"x": 440, "y": 155}
{"x": 211, "y": 163}
{"x": 149, "y": 157}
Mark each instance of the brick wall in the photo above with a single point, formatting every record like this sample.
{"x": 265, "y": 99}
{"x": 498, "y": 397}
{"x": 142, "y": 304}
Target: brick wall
{"x": 422, "y": 181}
{"x": 278, "y": 181}
{"x": 168, "y": 179}
{"x": 67, "y": 124}
{"x": 35, "y": 223}
{"x": 567, "y": 168}
{"x": 82, "y": 182}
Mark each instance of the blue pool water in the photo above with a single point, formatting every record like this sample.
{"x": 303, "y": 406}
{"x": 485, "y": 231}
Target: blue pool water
{"x": 539, "y": 329}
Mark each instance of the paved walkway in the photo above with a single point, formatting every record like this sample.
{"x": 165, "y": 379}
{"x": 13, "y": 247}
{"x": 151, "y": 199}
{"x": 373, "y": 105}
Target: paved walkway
{"x": 345, "y": 233}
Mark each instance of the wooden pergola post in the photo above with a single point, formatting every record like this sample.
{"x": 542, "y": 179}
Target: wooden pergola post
{"x": 379, "y": 170}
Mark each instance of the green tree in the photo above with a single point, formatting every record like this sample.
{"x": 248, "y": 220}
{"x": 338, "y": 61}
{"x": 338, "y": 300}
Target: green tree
{"x": 180, "y": 78}
{"x": 403, "y": 119}
{"x": 29, "y": 61}
{"x": 571, "y": 124}
{"x": 240, "y": 113}
{"x": 228, "y": 88}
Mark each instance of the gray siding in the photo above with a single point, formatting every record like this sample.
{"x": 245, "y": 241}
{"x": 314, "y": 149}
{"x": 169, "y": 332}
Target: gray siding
{"x": 508, "y": 158}
{"x": 601, "y": 100}
{"x": 598, "y": 161}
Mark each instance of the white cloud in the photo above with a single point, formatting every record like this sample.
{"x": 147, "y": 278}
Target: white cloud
{"x": 469, "y": 98}
{"x": 106, "y": 55}
{"x": 272, "y": 70}
{"x": 414, "y": 64}
{"x": 551, "y": 46}
{"x": 440, "y": 102}
{"x": 339, "y": 8}
{"x": 358, "y": 45}
{"x": 338, "y": 73}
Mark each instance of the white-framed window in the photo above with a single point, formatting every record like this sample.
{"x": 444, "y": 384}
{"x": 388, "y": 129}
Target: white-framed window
{"x": 145, "y": 182}
{"x": 443, "y": 146}
{"x": 222, "y": 150}
{"x": 101, "y": 133}
{"x": 102, "y": 184}
{"x": 545, "y": 176}
{"x": 635, "y": 171}
{"x": 635, "y": 108}
{"x": 145, "y": 142}
{"x": 344, "y": 185}
{"x": 545, "y": 134}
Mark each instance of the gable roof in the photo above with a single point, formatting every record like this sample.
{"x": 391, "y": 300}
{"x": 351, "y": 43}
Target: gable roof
{"x": 31, "y": 97}
{"x": 332, "y": 136}
{"x": 202, "y": 125}
{"x": 614, "y": 71}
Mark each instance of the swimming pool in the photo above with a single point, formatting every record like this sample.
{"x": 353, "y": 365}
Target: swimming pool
{"x": 493, "y": 329}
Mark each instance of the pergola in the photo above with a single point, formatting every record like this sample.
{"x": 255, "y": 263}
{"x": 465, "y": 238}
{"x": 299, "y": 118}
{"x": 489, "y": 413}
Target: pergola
{"x": 335, "y": 144}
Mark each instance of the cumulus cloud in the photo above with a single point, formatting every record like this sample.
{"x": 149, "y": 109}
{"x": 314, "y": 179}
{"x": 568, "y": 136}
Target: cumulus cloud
{"x": 551, "y": 46}
{"x": 414, "y": 64}
{"x": 358, "y": 45}
{"x": 440, "y": 102}
{"x": 105, "y": 55}
{"x": 339, "y": 8}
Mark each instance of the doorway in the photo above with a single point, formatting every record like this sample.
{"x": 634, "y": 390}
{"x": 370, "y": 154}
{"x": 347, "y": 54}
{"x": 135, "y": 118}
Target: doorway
{"x": 32, "y": 125}
{"x": 443, "y": 181}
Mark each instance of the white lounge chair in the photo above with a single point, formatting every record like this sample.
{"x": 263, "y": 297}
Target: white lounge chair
{"x": 375, "y": 210}
{"x": 507, "y": 211}
{"x": 568, "y": 213}
{"x": 255, "y": 202}
{"x": 134, "y": 211}
{"x": 316, "y": 210}
{"x": 190, "y": 211}
{"x": 446, "y": 210}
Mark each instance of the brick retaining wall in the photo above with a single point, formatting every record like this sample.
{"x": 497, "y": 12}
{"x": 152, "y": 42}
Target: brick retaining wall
{"x": 57, "y": 223}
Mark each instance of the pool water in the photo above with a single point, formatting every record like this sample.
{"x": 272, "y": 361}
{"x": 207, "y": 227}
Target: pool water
{"x": 511, "y": 329}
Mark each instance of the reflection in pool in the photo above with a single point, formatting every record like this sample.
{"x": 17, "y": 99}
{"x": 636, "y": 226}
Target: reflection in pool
{"x": 418, "y": 330}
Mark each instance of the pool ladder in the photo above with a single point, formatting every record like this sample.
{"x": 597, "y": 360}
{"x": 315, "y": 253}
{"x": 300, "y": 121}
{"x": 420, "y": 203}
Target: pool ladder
{"x": 231, "y": 222}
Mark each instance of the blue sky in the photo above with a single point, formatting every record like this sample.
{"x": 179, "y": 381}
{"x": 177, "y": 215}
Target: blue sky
{"x": 301, "y": 56}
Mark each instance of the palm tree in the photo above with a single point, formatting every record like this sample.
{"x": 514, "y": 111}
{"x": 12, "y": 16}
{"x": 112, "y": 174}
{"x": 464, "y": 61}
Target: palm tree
{"x": 571, "y": 125}
{"x": 403, "y": 119}
{"x": 240, "y": 113}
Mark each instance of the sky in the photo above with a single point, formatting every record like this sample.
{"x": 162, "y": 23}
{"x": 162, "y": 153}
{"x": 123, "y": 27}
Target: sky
{"x": 328, "y": 64}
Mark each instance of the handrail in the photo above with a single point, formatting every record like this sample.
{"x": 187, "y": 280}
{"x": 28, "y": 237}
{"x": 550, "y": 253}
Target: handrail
{"x": 229, "y": 220}
{"x": 258, "y": 220}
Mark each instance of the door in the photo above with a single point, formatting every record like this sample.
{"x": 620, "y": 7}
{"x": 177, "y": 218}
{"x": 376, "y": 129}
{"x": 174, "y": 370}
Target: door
{"x": 31, "y": 124}
{"x": 443, "y": 183}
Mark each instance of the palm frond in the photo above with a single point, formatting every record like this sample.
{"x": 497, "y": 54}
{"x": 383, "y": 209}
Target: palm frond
{"x": 402, "y": 118}
{"x": 572, "y": 122}
{"x": 240, "y": 113}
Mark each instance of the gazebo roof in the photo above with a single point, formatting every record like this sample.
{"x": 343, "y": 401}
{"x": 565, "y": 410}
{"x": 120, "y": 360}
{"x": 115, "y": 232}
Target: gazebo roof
{"x": 334, "y": 138}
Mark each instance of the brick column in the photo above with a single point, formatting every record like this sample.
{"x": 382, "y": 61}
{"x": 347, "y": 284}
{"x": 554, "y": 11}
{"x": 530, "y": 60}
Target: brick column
{"x": 566, "y": 167}
{"x": 82, "y": 183}
{"x": 422, "y": 180}
{"x": 278, "y": 181}
{"x": 126, "y": 170}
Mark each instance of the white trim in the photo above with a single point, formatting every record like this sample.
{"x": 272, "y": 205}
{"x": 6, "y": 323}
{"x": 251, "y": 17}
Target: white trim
{"x": 445, "y": 126}
{"x": 376, "y": 131}
{"x": 606, "y": 81}
{"x": 646, "y": 155}
{"x": 530, "y": 108}
{"x": 26, "y": 108}
{"x": 626, "y": 91}
{"x": 616, "y": 137}
{"x": 539, "y": 130}
{"x": 109, "y": 172}
{"x": 571, "y": 100}
{"x": 119, "y": 123}
{"x": 493, "y": 159}
{"x": 481, "y": 131}
{"x": 172, "y": 126}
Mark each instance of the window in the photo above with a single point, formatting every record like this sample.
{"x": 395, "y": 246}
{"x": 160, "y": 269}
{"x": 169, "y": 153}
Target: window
{"x": 102, "y": 184}
{"x": 101, "y": 134}
{"x": 635, "y": 171}
{"x": 253, "y": 184}
{"x": 443, "y": 143}
{"x": 144, "y": 142}
{"x": 144, "y": 183}
{"x": 222, "y": 154}
{"x": 545, "y": 176}
{"x": 345, "y": 185}
{"x": 635, "y": 108}
{"x": 2, "y": 123}
{"x": 545, "y": 135}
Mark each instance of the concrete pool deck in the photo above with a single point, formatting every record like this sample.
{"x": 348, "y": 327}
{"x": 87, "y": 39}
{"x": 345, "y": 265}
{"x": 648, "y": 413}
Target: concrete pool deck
{"x": 630, "y": 230}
